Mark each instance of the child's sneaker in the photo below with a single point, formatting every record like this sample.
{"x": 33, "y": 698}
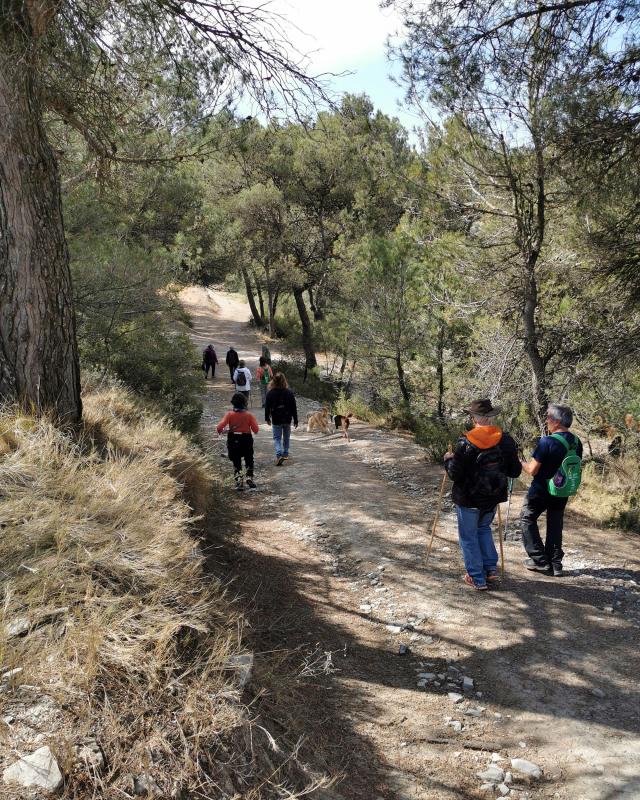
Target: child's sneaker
{"x": 251, "y": 484}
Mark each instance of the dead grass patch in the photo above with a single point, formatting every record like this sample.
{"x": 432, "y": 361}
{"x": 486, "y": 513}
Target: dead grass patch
{"x": 107, "y": 609}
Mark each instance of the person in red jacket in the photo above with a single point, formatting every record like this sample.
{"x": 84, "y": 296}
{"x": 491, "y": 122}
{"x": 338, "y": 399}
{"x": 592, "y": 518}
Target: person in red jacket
{"x": 240, "y": 425}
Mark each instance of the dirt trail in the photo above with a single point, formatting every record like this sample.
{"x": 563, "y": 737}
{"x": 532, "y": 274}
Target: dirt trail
{"x": 331, "y": 553}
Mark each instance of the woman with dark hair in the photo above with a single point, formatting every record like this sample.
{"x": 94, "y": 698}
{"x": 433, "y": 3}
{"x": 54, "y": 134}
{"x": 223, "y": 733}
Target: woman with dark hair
{"x": 279, "y": 411}
{"x": 241, "y": 424}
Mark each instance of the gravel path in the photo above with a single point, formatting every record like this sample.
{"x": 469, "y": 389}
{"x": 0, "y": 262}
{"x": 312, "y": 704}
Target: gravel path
{"x": 331, "y": 558}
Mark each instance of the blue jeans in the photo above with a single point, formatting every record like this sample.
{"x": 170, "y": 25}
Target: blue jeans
{"x": 281, "y": 436}
{"x": 476, "y": 542}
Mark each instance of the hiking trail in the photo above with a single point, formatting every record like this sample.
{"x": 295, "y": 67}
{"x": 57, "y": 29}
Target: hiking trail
{"x": 330, "y": 555}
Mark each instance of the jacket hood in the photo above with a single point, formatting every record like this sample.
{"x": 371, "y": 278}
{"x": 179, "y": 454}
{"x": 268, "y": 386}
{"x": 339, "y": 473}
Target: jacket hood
{"x": 485, "y": 436}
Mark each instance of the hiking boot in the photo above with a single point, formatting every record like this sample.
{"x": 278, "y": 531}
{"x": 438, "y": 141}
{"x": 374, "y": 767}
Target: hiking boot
{"x": 286, "y": 457}
{"x": 493, "y": 577}
{"x": 279, "y": 461}
{"x": 530, "y": 564}
{"x": 480, "y": 587}
{"x": 251, "y": 484}
{"x": 558, "y": 572}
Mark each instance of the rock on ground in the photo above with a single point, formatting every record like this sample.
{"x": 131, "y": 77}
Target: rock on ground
{"x": 38, "y": 769}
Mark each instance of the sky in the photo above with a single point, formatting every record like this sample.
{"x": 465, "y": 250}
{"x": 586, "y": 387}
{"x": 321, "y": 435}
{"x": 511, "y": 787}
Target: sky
{"x": 348, "y": 36}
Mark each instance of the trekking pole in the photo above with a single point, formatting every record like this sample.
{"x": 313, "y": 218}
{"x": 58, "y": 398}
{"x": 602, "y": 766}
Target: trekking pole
{"x": 500, "y": 538}
{"x": 506, "y": 524}
{"x": 437, "y": 516}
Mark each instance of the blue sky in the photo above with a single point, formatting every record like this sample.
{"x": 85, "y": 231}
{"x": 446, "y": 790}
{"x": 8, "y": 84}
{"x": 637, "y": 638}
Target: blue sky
{"x": 347, "y": 36}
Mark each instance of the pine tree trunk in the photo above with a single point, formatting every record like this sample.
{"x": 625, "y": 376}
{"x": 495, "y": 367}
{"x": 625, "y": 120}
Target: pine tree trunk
{"x": 307, "y": 330}
{"x": 252, "y": 303}
{"x": 440, "y": 369}
{"x": 404, "y": 391}
{"x": 38, "y": 352}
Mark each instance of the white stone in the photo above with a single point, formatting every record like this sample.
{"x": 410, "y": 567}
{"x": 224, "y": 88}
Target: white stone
{"x": 508, "y": 777}
{"x": 503, "y": 789}
{"x": 467, "y": 684}
{"x": 38, "y": 769}
{"x": 90, "y": 754}
{"x": 365, "y": 607}
{"x": 597, "y": 692}
{"x": 474, "y": 712}
{"x": 526, "y": 767}
{"x": 393, "y": 628}
{"x": 421, "y": 684}
{"x": 488, "y": 787}
{"x": 455, "y": 724}
{"x": 6, "y": 676}
{"x": 455, "y": 697}
{"x": 495, "y": 757}
{"x": 522, "y": 744}
{"x": 243, "y": 664}
{"x": 492, "y": 773}
{"x": 18, "y": 626}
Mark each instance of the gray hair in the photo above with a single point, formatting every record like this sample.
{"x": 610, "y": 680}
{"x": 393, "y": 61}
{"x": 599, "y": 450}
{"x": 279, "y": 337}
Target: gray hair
{"x": 561, "y": 414}
{"x": 483, "y": 420}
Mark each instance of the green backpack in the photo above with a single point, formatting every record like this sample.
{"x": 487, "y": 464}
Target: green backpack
{"x": 566, "y": 481}
{"x": 265, "y": 380}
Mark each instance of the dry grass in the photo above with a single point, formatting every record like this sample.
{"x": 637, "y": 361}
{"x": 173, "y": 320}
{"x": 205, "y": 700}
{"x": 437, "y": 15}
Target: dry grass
{"x": 126, "y": 632}
{"x": 610, "y": 491}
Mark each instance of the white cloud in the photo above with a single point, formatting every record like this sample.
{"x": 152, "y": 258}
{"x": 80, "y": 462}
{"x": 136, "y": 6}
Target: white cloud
{"x": 336, "y": 34}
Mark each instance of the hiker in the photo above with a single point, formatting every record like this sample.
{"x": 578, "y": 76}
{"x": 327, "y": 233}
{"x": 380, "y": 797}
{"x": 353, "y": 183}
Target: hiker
{"x": 232, "y": 360}
{"x": 266, "y": 354}
{"x": 555, "y": 467}
{"x": 209, "y": 361}
{"x": 279, "y": 410}
{"x": 242, "y": 380}
{"x": 264, "y": 376}
{"x": 483, "y": 460}
{"x": 240, "y": 423}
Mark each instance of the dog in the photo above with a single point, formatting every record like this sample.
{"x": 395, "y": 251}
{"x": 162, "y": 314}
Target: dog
{"x": 342, "y": 422}
{"x": 318, "y": 421}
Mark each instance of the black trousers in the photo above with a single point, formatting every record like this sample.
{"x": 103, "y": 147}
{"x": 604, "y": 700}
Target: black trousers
{"x": 232, "y": 369}
{"x": 239, "y": 446}
{"x": 551, "y": 551}
{"x": 208, "y": 367}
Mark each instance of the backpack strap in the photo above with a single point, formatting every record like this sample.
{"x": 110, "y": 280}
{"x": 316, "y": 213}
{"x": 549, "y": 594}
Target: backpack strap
{"x": 567, "y": 445}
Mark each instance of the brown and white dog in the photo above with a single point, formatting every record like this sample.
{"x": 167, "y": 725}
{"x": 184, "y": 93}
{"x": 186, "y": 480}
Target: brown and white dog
{"x": 343, "y": 423}
{"x": 318, "y": 421}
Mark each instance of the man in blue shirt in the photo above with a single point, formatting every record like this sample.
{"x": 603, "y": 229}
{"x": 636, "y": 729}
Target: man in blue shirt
{"x": 545, "y": 462}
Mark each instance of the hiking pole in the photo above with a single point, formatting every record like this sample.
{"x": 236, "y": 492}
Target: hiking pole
{"x": 437, "y": 516}
{"x": 506, "y": 524}
{"x": 500, "y": 538}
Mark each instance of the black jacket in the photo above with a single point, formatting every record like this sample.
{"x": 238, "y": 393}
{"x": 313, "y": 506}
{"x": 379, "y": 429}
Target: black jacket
{"x": 232, "y": 358}
{"x": 461, "y": 469}
{"x": 280, "y": 407}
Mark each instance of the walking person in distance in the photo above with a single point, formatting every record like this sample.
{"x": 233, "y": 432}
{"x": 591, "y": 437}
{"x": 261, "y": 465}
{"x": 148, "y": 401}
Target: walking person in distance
{"x": 232, "y": 360}
{"x": 240, "y": 425}
{"x": 480, "y": 466}
{"x": 264, "y": 376}
{"x": 280, "y": 411}
{"x": 209, "y": 361}
{"x": 242, "y": 379}
{"x": 555, "y": 468}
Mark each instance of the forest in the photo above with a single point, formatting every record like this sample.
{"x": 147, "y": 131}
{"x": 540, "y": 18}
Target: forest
{"x": 491, "y": 252}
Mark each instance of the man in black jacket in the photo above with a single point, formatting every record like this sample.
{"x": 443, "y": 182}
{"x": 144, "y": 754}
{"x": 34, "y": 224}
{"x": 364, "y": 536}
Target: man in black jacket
{"x": 483, "y": 461}
{"x": 232, "y": 360}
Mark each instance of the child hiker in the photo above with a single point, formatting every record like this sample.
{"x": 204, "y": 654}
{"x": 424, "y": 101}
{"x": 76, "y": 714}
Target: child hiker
{"x": 240, "y": 424}
{"x": 264, "y": 376}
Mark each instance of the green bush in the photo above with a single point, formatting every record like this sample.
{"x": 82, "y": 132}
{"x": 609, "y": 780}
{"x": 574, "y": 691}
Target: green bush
{"x": 436, "y": 436}
{"x": 312, "y": 387}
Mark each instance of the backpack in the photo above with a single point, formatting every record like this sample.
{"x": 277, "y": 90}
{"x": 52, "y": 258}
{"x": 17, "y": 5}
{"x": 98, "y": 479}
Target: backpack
{"x": 266, "y": 376}
{"x": 241, "y": 378}
{"x": 566, "y": 481}
{"x": 488, "y": 482}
